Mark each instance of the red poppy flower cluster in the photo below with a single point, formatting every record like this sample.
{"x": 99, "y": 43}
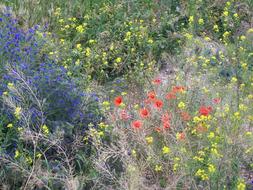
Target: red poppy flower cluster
{"x": 157, "y": 81}
{"x": 118, "y": 101}
{"x": 205, "y": 110}
{"x": 144, "y": 113}
{"x": 166, "y": 120}
{"x": 137, "y": 124}
{"x": 176, "y": 89}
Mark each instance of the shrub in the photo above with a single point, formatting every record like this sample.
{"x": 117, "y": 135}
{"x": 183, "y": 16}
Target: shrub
{"x": 45, "y": 115}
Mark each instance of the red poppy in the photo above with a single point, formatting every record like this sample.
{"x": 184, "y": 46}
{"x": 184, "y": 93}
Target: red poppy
{"x": 158, "y": 129}
{"x": 137, "y": 124}
{"x": 144, "y": 113}
{"x": 181, "y": 136}
{"x": 216, "y": 100}
{"x": 158, "y": 104}
{"x": 176, "y": 89}
{"x": 185, "y": 116}
{"x": 166, "y": 121}
{"x": 118, "y": 100}
{"x": 157, "y": 81}
{"x": 171, "y": 95}
{"x": 124, "y": 115}
{"x": 203, "y": 110}
{"x": 151, "y": 95}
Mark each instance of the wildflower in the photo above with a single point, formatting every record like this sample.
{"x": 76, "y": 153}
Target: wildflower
{"x": 124, "y": 115}
{"x": 134, "y": 153}
{"x": 211, "y": 168}
{"x": 118, "y": 60}
{"x": 216, "y": 100}
{"x": 144, "y": 113}
{"x": 202, "y": 174}
{"x": 241, "y": 185}
{"x": 17, "y": 154}
{"x": 88, "y": 52}
{"x": 137, "y": 124}
{"x": 201, "y": 21}
{"x": 181, "y": 105}
{"x": 236, "y": 15}
{"x": 166, "y": 121}
{"x": 17, "y": 112}
{"x": 150, "y": 41}
{"x": 10, "y": 125}
{"x": 45, "y": 129}
{"x": 158, "y": 104}
{"x": 151, "y": 95}
{"x": 166, "y": 150}
{"x": 242, "y": 37}
{"x": 38, "y": 155}
{"x": 177, "y": 89}
{"x": 211, "y": 135}
{"x": 149, "y": 140}
{"x": 203, "y": 110}
{"x": 118, "y": 101}
{"x": 10, "y": 85}
{"x": 170, "y": 96}
{"x": 185, "y": 116}
{"x": 157, "y": 81}
{"x": 158, "y": 168}
{"x": 79, "y": 47}
{"x": 225, "y": 13}
{"x": 29, "y": 160}
{"x": 191, "y": 19}
{"x": 80, "y": 29}
{"x": 5, "y": 93}
{"x": 180, "y": 136}
{"x": 216, "y": 28}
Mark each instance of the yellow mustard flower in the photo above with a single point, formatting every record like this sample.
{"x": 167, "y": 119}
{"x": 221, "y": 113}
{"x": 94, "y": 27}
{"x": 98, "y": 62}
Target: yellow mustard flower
{"x": 166, "y": 150}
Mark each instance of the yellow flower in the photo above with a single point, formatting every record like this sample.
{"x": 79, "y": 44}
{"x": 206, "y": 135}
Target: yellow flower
{"x": 150, "y": 41}
{"x": 158, "y": 168}
{"x": 80, "y": 29}
{"x": 191, "y": 19}
{"x": 236, "y": 15}
{"x": 10, "y": 125}
{"x": 17, "y": 112}
{"x": 166, "y": 150}
{"x": 5, "y": 93}
{"x": 10, "y": 85}
{"x": 225, "y": 13}
{"x": 181, "y": 105}
{"x": 92, "y": 41}
{"x": 118, "y": 60}
{"x": 242, "y": 37}
{"x": 29, "y": 160}
{"x": 201, "y": 21}
{"x": 234, "y": 79}
{"x": 250, "y": 30}
{"x": 17, "y": 154}
{"x": 211, "y": 168}
{"x": 38, "y": 155}
{"x": 241, "y": 185}
{"x": 149, "y": 140}
{"x": 45, "y": 130}
{"x": 211, "y": 135}
{"x": 134, "y": 153}
{"x": 248, "y": 133}
{"x": 216, "y": 28}
{"x": 88, "y": 52}
{"x": 79, "y": 47}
